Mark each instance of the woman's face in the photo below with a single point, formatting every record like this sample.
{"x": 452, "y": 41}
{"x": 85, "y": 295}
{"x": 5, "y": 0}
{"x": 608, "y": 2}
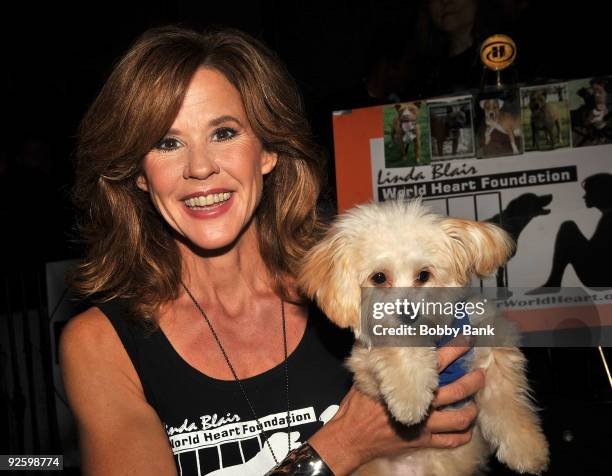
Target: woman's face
{"x": 205, "y": 176}
{"x": 452, "y": 16}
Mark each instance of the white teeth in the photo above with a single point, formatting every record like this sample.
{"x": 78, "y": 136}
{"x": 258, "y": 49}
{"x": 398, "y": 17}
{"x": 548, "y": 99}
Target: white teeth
{"x": 204, "y": 201}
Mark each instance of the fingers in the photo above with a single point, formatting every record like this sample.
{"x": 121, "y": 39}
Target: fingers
{"x": 462, "y": 388}
{"x": 450, "y": 352}
{"x": 459, "y": 420}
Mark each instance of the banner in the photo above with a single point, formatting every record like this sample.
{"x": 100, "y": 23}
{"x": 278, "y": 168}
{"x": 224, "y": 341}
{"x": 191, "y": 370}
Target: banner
{"x": 551, "y": 190}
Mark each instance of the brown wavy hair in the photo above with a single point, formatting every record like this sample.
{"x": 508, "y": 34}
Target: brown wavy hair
{"x": 131, "y": 252}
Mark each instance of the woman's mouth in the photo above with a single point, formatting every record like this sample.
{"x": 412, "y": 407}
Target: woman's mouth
{"x": 207, "y": 202}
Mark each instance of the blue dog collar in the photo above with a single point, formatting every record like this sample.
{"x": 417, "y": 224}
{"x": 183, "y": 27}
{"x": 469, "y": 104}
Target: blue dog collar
{"x": 459, "y": 367}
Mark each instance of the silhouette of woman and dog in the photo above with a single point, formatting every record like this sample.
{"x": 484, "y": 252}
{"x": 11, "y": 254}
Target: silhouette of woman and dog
{"x": 590, "y": 258}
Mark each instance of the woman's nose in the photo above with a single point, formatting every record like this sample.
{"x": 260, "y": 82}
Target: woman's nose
{"x": 200, "y": 165}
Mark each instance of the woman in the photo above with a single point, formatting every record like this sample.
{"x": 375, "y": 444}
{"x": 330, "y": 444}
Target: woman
{"x": 198, "y": 181}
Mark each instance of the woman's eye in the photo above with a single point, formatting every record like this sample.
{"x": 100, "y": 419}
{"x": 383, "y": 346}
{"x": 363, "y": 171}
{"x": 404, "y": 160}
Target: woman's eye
{"x": 168, "y": 144}
{"x": 379, "y": 278}
{"x": 423, "y": 276}
{"x": 223, "y": 134}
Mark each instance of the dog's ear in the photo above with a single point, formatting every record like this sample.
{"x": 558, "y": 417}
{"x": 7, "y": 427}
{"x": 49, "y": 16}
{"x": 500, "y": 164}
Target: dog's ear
{"x": 398, "y": 107}
{"x": 500, "y": 103}
{"x": 482, "y": 103}
{"x": 479, "y": 247}
{"x": 326, "y": 275}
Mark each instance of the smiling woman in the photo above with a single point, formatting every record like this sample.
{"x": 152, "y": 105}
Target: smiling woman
{"x": 154, "y": 93}
{"x": 209, "y": 165}
{"x": 198, "y": 180}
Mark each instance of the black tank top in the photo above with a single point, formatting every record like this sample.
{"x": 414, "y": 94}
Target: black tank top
{"x": 209, "y": 425}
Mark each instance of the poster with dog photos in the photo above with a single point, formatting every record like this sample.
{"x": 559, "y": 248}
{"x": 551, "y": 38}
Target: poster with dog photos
{"x": 498, "y": 124}
{"x": 590, "y": 102}
{"x": 451, "y": 128}
{"x": 546, "y": 117}
{"x": 406, "y": 134}
{"x": 556, "y": 204}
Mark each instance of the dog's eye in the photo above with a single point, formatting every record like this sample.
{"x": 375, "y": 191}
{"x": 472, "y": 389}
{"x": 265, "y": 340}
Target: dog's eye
{"x": 379, "y": 278}
{"x": 423, "y": 276}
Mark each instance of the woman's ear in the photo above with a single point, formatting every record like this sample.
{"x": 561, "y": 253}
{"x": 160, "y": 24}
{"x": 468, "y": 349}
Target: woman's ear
{"x": 326, "y": 275}
{"x": 142, "y": 183}
{"x": 268, "y": 162}
{"x": 478, "y": 247}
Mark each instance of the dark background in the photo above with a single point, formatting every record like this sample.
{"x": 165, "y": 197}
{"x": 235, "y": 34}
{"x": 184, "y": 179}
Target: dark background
{"x": 55, "y": 59}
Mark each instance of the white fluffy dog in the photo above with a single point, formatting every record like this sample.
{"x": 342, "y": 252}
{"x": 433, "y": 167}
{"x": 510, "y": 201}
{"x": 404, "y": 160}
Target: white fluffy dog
{"x": 399, "y": 244}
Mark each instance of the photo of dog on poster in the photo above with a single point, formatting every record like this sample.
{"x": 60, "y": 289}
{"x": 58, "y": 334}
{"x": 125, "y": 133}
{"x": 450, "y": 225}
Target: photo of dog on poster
{"x": 498, "y": 124}
{"x": 406, "y": 134}
{"x": 545, "y": 117}
{"x": 590, "y": 103}
{"x": 451, "y": 125}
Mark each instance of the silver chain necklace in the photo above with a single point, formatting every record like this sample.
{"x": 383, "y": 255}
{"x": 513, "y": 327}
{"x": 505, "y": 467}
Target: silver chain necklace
{"x": 239, "y": 382}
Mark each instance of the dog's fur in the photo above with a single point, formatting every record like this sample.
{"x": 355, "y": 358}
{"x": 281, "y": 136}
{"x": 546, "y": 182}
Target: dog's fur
{"x": 544, "y": 116}
{"x": 448, "y": 127}
{"x": 406, "y": 130}
{"x": 401, "y": 240}
{"x": 502, "y": 121}
{"x": 591, "y": 119}
{"x": 598, "y": 114}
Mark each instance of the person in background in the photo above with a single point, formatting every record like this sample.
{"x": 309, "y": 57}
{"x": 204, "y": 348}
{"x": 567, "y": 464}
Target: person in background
{"x": 448, "y": 37}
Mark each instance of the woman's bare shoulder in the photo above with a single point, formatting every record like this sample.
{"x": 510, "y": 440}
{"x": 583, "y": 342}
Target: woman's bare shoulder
{"x": 88, "y": 332}
{"x": 89, "y": 341}
{"x": 90, "y": 324}
{"x": 107, "y": 400}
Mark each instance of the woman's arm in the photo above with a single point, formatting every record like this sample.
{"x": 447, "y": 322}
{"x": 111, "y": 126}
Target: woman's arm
{"x": 362, "y": 429}
{"x": 119, "y": 432}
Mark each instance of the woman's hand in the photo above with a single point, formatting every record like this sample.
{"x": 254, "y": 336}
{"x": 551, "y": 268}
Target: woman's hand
{"x": 363, "y": 429}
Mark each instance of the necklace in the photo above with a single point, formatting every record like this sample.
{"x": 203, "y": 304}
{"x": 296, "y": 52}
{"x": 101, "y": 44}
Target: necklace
{"x": 239, "y": 382}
